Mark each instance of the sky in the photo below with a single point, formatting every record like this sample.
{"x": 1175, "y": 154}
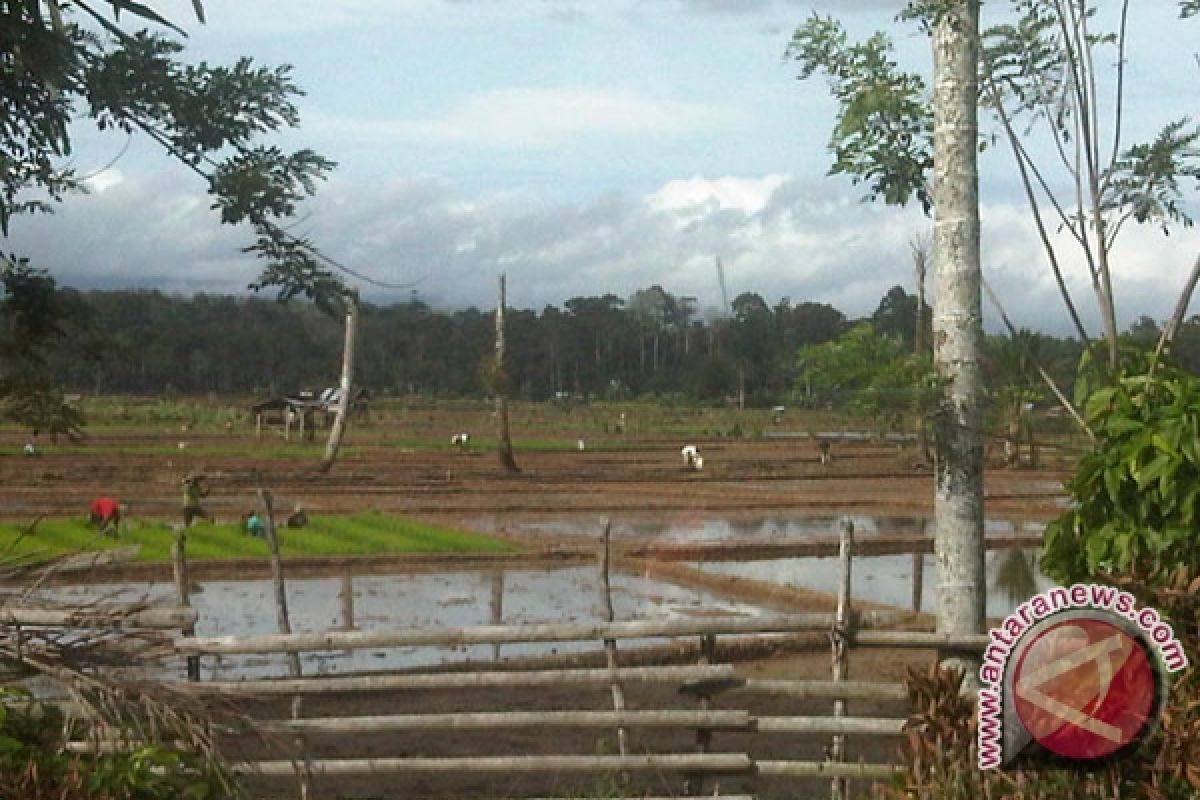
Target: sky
{"x": 584, "y": 148}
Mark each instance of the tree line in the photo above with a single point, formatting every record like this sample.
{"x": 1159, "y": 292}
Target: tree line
{"x": 604, "y": 346}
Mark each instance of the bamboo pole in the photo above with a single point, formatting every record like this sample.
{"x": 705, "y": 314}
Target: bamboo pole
{"x": 114, "y": 617}
{"x": 506, "y": 634}
{"x": 277, "y": 581}
{"x": 816, "y": 769}
{"x": 836, "y": 726}
{"x": 285, "y": 624}
{"x": 708, "y": 646}
{"x": 725, "y": 720}
{"x": 686, "y": 762}
{"x": 182, "y": 593}
{"x": 918, "y": 580}
{"x": 497, "y": 606}
{"x": 346, "y": 595}
{"x": 837, "y": 639}
{"x": 967, "y": 642}
{"x": 610, "y": 644}
{"x": 826, "y": 690}
{"x": 469, "y": 680}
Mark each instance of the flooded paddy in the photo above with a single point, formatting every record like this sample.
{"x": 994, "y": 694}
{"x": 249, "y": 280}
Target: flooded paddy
{"x": 420, "y": 600}
{"x": 1012, "y": 575}
{"x": 696, "y": 527}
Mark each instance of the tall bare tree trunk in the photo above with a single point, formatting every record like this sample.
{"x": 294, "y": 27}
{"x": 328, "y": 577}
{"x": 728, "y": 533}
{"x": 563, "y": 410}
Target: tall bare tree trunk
{"x": 957, "y": 329}
{"x": 920, "y": 253}
{"x": 504, "y": 449}
{"x": 338, "y": 428}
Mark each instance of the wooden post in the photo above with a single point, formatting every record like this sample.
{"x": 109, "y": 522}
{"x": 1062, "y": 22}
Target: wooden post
{"x": 610, "y": 645}
{"x": 347, "y": 598}
{"x": 694, "y": 784}
{"x": 837, "y": 752}
{"x": 284, "y": 623}
{"x": 497, "y": 607}
{"x": 918, "y": 579}
{"x": 258, "y": 426}
{"x": 182, "y": 592}
{"x": 277, "y": 581}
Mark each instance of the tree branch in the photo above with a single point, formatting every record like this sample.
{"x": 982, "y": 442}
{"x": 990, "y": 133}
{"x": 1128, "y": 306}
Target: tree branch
{"x": 1049, "y": 381}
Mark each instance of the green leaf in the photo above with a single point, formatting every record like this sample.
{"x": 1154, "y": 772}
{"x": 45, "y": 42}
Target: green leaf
{"x": 1112, "y": 484}
{"x": 1118, "y": 426}
{"x": 1097, "y": 550}
{"x": 1153, "y": 471}
{"x": 1099, "y": 403}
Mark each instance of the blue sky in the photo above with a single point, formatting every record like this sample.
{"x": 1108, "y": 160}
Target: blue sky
{"x": 583, "y": 148}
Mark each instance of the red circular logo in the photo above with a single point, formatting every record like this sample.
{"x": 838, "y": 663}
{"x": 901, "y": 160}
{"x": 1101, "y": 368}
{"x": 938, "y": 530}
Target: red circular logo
{"x": 1084, "y": 688}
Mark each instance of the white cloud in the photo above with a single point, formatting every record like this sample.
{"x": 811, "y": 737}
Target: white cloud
{"x": 693, "y": 196}
{"x": 104, "y": 180}
{"x": 532, "y": 117}
{"x": 807, "y": 239}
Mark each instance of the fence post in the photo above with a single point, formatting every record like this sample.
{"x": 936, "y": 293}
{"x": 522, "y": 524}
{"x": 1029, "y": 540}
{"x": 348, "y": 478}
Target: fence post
{"x": 610, "y": 645}
{"x": 837, "y": 638}
{"x": 496, "y": 606}
{"x": 285, "y": 625}
{"x": 182, "y": 592}
{"x": 694, "y": 784}
{"x": 918, "y": 579}
{"x": 346, "y": 595}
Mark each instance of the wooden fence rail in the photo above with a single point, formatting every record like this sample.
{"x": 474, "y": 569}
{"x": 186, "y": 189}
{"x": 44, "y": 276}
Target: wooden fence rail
{"x": 698, "y": 683}
{"x": 727, "y": 763}
{"x": 715, "y": 720}
{"x": 99, "y": 617}
{"x": 467, "y": 680}
{"x": 517, "y": 634}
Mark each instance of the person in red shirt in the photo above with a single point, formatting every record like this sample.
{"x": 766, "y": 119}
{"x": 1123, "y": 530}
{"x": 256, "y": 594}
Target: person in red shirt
{"x": 105, "y": 515}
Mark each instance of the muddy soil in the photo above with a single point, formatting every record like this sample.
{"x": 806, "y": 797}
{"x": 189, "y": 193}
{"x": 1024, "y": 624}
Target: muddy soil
{"x": 643, "y": 480}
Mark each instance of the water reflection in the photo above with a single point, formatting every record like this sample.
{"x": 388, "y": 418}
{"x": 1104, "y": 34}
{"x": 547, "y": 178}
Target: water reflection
{"x": 889, "y": 579}
{"x": 695, "y": 527}
{"x": 389, "y": 602}
{"x": 1016, "y": 576}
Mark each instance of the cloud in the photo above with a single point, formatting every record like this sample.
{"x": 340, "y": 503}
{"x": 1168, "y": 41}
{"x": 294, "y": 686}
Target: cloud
{"x": 760, "y": 7}
{"x": 532, "y": 117}
{"x": 806, "y": 239}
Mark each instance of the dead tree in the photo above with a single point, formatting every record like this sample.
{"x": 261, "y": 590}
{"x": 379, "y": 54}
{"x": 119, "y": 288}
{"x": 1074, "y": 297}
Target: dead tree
{"x": 338, "y": 429}
{"x": 504, "y": 449}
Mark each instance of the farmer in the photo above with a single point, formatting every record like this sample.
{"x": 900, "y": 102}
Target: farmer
{"x": 105, "y": 514}
{"x": 194, "y": 491}
{"x": 254, "y": 525}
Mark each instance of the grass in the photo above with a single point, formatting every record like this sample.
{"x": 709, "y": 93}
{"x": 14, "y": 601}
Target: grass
{"x": 359, "y": 534}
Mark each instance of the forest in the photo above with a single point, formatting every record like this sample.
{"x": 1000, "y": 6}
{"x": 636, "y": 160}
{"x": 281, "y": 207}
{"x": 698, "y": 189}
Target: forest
{"x": 652, "y": 343}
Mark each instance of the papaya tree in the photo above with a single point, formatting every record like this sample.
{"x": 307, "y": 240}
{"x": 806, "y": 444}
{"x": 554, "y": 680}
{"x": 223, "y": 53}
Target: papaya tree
{"x": 64, "y": 64}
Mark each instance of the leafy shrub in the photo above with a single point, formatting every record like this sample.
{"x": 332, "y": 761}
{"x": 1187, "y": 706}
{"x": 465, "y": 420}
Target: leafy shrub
{"x": 1136, "y": 495}
{"x": 34, "y": 763}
